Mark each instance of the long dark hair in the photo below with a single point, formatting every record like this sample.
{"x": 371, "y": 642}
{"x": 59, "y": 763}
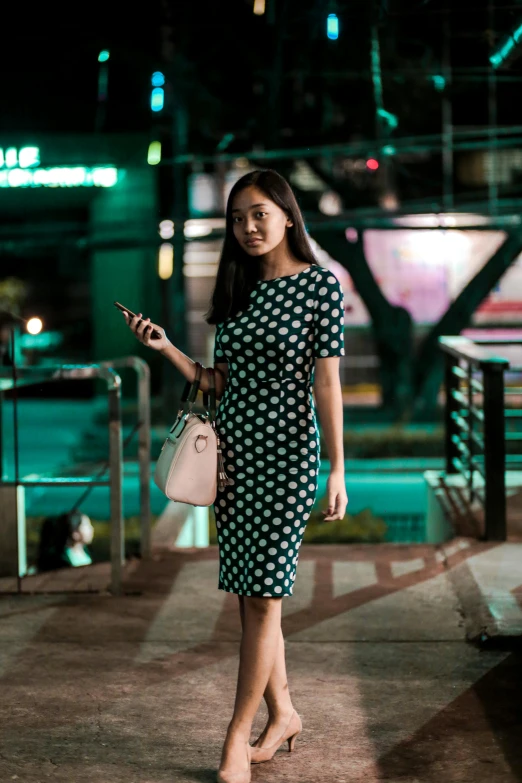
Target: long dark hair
{"x": 238, "y": 272}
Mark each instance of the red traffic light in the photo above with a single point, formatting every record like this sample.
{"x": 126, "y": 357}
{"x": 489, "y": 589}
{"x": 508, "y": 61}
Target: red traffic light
{"x": 372, "y": 164}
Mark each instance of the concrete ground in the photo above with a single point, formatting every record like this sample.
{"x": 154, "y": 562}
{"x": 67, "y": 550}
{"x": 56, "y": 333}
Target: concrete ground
{"x": 140, "y": 688}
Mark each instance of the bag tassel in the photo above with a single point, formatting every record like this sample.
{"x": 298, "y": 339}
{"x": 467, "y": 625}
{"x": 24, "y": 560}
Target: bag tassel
{"x": 223, "y": 479}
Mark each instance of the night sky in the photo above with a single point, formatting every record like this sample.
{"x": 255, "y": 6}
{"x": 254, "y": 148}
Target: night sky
{"x": 239, "y": 73}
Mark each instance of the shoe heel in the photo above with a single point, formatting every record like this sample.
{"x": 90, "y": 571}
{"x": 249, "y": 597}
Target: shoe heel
{"x": 291, "y": 742}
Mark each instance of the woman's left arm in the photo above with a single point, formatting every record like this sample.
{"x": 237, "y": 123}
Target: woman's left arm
{"x": 329, "y": 404}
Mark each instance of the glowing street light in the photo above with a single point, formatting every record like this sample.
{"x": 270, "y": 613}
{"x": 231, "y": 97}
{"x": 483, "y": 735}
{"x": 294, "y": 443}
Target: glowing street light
{"x": 34, "y": 325}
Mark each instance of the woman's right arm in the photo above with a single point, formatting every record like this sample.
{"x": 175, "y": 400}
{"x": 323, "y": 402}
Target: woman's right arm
{"x": 187, "y": 368}
{"x": 142, "y": 329}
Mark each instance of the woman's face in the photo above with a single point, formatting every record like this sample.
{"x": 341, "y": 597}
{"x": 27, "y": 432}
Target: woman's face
{"x": 259, "y": 224}
{"x": 85, "y": 531}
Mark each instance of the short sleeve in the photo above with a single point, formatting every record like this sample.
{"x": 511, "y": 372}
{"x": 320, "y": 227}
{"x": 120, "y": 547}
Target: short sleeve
{"x": 219, "y": 354}
{"x": 328, "y": 317}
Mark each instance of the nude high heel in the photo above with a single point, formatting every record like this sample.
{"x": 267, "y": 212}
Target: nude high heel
{"x": 294, "y": 728}
{"x": 237, "y": 777}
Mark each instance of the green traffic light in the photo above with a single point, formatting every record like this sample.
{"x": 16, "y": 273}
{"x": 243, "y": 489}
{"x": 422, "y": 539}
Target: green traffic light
{"x": 103, "y": 56}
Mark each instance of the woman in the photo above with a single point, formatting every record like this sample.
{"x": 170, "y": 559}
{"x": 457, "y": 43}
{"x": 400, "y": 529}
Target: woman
{"x": 280, "y": 319}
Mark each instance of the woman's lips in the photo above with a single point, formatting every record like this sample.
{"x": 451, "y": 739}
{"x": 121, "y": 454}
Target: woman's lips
{"x": 252, "y": 242}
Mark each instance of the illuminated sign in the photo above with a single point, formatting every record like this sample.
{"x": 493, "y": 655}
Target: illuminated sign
{"x": 19, "y": 168}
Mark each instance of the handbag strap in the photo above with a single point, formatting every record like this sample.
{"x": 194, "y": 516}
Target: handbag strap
{"x": 191, "y": 389}
{"x": 212, "y": 393}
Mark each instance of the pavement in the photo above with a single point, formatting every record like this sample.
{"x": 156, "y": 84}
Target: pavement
{"x": 140, "y": 688}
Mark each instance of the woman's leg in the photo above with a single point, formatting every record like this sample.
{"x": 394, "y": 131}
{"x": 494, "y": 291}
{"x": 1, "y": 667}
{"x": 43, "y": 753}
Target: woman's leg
{"x": 276, "y": 695}
{"x": 258, "y": 651}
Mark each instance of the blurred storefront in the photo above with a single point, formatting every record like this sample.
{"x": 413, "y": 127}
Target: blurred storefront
{"x": 78, "y": 227}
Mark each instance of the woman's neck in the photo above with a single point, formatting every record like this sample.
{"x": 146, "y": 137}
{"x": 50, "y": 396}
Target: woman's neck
{"x": 279, "y": 261}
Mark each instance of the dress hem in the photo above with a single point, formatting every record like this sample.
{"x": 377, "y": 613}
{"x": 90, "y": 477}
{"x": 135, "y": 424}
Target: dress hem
{"x": 253, "y": 595}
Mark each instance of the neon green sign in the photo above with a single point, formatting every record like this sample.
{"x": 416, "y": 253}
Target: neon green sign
{"x": 19, "y": 168}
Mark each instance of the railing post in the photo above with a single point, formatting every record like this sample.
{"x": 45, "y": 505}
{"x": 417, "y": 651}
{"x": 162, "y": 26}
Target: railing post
{"x": 144, "y": 442}
{"x": 144, "y": 439}
{"x": 494, "y": 453}
{"x": 2, "y": 474}
{"x": 469, "y": 439}
{"x": 451, "y": 384}
{"x": 116, "y": 487}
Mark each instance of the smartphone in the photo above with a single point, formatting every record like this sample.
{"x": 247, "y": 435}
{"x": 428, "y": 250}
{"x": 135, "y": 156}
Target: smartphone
{"x": 155, "y": 335}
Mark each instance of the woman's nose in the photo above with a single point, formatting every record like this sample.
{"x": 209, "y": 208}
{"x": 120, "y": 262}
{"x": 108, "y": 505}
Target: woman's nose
{"x": 250, "y": 226}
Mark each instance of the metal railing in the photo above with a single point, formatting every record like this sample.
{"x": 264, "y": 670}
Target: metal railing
{"x": 475, "y": 437}
{"x": 144, "y": 442}
{"x": 28, "y": 376}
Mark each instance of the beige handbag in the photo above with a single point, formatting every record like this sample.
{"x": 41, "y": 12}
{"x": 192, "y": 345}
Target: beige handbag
{"x": 190, "y": 465}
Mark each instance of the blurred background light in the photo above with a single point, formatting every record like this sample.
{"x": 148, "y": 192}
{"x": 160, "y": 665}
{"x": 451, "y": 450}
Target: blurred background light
{"x": 157, "y": 99}
{"x": 351, "y": 234}
{"x": 103, "y": 176}
{"x": 154, "y": 153}
{"x": 11, "y": 158}
{"x": 200, "y": 230}
{"x": 389, "y": 201}
{"x": 259, "y": 7}
{"x": 34, "y": 325}
{"x": 166, "y": 261}
{"x": 388, "y": 149}
{"x": 372, "y": 164}
{"x": 330, "y": 203}
{"x": 506, "y": 48}
{"x": 103, "y": 56}
{"x": 157, "y": 79}
{"x": 166, "y": 229}
{"x": 60, "y": 177}
{"x": 391, "y": 120}
{"x": 439, "y": 82}
{"x": 28, "y": 156}
{"x": 332, "y": 27}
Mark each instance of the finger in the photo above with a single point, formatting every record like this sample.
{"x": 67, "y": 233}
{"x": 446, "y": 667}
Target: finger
{"x": 146, "y": 334}
{"x": 142, "y": 326}
{"x": 332, "y": 503}
{"x": 133, "y": 322}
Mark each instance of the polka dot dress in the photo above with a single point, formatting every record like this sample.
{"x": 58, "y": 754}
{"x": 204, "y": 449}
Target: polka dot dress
{"x": 267, "y": 423}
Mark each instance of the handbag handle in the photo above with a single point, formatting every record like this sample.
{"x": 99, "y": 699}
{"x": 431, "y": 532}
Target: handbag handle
{"x": 190, "y": 392}
{"x": 211, "y": 393}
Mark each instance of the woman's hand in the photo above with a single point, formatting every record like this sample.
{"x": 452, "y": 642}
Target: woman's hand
{"x": 142, "y": 328}
{"x": 337, "y": 498}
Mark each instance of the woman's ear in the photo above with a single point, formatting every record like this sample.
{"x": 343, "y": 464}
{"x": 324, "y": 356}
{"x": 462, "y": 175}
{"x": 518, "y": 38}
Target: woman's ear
{"x": 289, "y": 222}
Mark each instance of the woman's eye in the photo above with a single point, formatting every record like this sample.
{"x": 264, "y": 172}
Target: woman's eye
{"x": 262, "y": 214}
{"x": 234, "y": 219}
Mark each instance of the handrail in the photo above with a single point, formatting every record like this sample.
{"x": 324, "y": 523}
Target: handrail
{"x": 471, "y": 352}
{"x": 27, "y": 376}
{"x": 468, "y": 449}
